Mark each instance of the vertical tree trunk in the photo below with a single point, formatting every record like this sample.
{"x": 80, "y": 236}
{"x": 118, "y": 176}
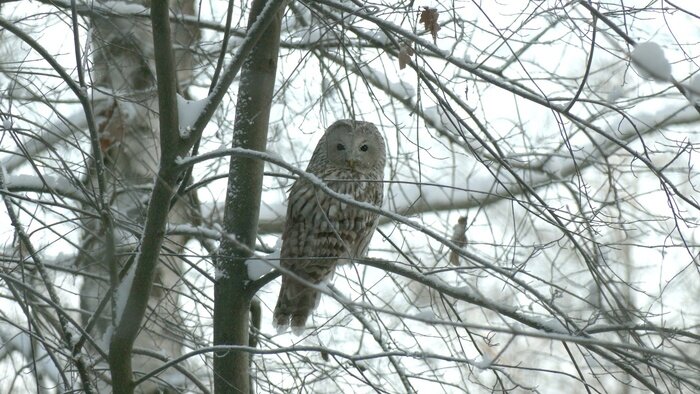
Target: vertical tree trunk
{"x": 232, "y": 299}
{"x": 126, "y": 110}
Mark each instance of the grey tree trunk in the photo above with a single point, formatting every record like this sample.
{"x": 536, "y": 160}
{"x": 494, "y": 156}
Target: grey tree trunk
{"x": 232, "y": 298}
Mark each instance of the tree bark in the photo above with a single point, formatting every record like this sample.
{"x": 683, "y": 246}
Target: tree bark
{"x": 131, "y": 139}
{"x": 232, "y": 298}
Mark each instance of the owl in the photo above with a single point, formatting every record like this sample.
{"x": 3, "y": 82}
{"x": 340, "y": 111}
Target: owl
{"x": 321, "y": 232}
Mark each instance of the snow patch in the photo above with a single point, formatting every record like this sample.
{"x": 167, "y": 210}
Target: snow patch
{"x": 314, "y": 179}
{"x": 553, "y": 325}
{"x": 107, "y": 337}
{"x": 47, "y": 183}
{"x": 693, "y": 90}
{"x": 202, "y": 231}
{"x": 312, "y": 36}
{"x": 427, "y": 314}
{"x": 274, "y": 156}
{"x": 380, "y": 36}
{"x": 398, "y": 88}
{"x": 4, "y": 176}
{"x": 260, "y": 265}
{"x": 188, "y": 111}
{"x": 220, "y": 274}
{"x": 124, "y": 289}
{"x": 402, "y": 89}
{"x": 649, "y": 60}
{"x": 72, "y": 335}
{"x": 483, "y": 362}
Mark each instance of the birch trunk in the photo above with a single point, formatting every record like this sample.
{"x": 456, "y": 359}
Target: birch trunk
{"x": 126, "y": 110}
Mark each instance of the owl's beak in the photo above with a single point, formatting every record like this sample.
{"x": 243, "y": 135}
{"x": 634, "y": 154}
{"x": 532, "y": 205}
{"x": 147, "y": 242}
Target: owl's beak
{"x": 352, "y": 163}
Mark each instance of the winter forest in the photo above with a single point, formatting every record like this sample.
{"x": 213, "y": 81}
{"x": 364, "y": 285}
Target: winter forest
{"x": 539, "y": 226}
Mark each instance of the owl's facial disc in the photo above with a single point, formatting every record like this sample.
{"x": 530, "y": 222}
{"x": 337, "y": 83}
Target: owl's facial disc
{"x": 350, "y": 149}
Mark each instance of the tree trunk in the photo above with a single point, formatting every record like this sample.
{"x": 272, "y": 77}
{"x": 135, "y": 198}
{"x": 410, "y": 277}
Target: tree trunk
{"x": 126, "y": 110}
{"x": 232, "y": 298}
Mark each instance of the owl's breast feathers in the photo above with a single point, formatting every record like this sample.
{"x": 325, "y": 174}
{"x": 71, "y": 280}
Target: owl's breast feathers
{"x": 321, "y": 229}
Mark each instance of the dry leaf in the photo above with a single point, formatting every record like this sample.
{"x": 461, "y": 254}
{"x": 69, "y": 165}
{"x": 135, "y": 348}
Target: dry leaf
{"x": 429, "y": 17}
{"x": 459, "y": 238}
{"x": 405, "y": 54}
{"x": 111, "y": 129}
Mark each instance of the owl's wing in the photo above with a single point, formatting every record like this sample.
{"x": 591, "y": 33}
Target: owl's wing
{"x": 299, "y": 255}
{"x": 320, "y": 231}
{"x": 298, "y": 226}
{"x": 373, "y": 193}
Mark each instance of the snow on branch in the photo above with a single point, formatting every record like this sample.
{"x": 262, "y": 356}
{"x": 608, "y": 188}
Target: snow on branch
{"x": 479, "y": 190}
{"x": 188, "y": 111}
{"x": 261, "y": 265}
{"x": 56, "y": 130}
{"x": 629, "y": 128}
{"x": 693, "y": 89}
{"x": 650, "y": 61}
{"x": 54, "y": 185}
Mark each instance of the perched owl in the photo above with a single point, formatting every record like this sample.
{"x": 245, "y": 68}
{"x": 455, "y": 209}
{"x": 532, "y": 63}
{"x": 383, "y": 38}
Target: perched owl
{"x": 320, "y": 231}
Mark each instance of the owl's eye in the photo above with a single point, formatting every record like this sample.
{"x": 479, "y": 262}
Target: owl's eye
{"x": 340, "y": 147}
{"x": 364, "y": 148}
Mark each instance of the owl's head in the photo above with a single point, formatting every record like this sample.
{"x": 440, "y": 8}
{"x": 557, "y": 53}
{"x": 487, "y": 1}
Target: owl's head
{"x": 355, "y": 145}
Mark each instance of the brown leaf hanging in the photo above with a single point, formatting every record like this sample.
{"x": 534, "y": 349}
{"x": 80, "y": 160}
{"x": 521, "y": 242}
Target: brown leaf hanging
{"x": 405, "y": 54}
{"x": 429, "y": 17}
{"x": 459, "y": 237}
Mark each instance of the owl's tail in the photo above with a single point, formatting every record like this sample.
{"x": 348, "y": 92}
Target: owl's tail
{"x": 295, "y": 303}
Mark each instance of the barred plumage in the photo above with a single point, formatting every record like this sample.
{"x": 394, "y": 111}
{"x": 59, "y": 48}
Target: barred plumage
{"x": 321, "y": 231}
